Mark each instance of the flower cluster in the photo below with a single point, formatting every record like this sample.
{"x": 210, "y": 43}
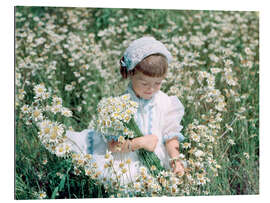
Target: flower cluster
{"x": 50, "y": 133}
{"x": 114, "y": 115}
{"x": 85, "y": 163}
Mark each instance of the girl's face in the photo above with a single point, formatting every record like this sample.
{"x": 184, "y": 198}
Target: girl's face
{"x": 144, "y": 86}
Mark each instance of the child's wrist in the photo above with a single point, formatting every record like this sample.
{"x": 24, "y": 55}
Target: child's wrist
{"x": 175, "y": 159}
{"x": 130, "y": 146}
{"x": 137, "y": 143}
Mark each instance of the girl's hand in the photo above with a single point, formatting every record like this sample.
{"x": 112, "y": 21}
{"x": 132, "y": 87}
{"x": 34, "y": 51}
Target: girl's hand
{"x": 172, "y": 147}
{"x": 115, "y": 146}
{"x": 178, "y": 167}
{"x": 112, "y": 146}
{"x": 147, "y": 142}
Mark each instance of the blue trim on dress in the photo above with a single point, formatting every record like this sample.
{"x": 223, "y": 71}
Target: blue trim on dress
{"x": 90, "y": 148}
{"x": 150, "y": 117}
{"x": 179, "y": 136}
{"x": 138, "y": 120}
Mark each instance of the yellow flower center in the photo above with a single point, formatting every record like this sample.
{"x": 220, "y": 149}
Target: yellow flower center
{"x": 53, "y": 135}
{"x": 47, "y": 130}
{"x": 39, "y": 90}
{"x": 61, "y": 149}
{"x": 124, "y": 170}
{"x": 36, "y": 113}
{"x": 107, "y": 155}
{"x": 128, "y": 161}
{"x": 121, "y": 165}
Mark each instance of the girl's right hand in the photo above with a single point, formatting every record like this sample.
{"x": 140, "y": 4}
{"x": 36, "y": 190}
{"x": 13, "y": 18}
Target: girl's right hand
{"x": 178, "y": 167}
{"x": 147, "y": 142}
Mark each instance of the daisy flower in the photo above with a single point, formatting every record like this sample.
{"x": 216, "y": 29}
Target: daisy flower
{"x": 42, "y": 195}
{"x": 77, "y": 74}
{"x": 231, "y": 141}
{"x": 88, "y": 172}
{"x": 56, "y": 133}
{"x": 67, "y": 148}
{"x": 37, "y": 114}
{"x": 128, "y": 161}
{"x": 60, "y": 150}
{"x": 57, "y": 101}
{"x": 143, "y": 170}
{"x": 174, "y": 189}
{"x": 69, "y": 87}
{"x": 199, "y": 153}
{"x": 55, "y": 109}
{"x": 124, "y": 170}
{"x": 25, "y": 108}
{"x": 88, "y": 157}
{"x": 195, "y": 137}
{"x": 39, "y": 90}
{"x": 125, "y": 97}
{"x": 215, "y": 70}
{"x": 45, "y": 161}
{"x": 121, "y": 165}
{"x": 220, "y": 106}
{"x": 198, "y": 164}
{"x": 181, "y": 156}
{"x": 186, "y": 145}
{"x": 66, "y": 112}
{"x": 201, "y": 181}
{"x": 108, "y": 155}
{"x": 246, "y": 155}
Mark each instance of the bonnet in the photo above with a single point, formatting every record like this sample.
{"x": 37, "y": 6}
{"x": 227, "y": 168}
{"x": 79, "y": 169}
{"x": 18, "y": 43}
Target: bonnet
{"x": 141, "y": 48}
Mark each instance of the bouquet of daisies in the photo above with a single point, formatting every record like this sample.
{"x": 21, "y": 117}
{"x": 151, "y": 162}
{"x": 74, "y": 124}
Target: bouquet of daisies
{"x": 115, "y": 121}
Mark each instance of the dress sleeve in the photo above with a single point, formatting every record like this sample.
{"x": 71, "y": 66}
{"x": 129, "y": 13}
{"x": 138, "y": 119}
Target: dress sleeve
{"x": 172, "y": 117}
{"x": 87, "y": 142}
{"x": 78, "y": 140}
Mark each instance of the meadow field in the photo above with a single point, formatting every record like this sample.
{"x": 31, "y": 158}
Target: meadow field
{"x": 67, "y": 60}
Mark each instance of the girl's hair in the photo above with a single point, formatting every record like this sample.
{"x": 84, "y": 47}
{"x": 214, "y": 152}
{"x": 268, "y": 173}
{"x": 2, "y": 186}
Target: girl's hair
{"x": 154, "y": 65}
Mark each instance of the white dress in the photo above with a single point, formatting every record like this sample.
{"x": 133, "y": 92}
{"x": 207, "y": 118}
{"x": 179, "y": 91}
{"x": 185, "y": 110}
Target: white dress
{"x": 161, "y": 116}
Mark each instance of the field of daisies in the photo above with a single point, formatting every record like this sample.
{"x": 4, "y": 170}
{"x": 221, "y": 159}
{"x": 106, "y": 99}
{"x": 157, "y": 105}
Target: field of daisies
{"x": 67, "y": 60}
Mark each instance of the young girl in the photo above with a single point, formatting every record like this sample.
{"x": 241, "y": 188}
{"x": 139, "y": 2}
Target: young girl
{"x": 145, "y": 64}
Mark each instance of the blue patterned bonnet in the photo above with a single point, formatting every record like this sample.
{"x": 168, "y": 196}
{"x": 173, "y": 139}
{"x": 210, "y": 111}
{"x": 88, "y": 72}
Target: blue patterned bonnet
{"x": 141, "y": 48}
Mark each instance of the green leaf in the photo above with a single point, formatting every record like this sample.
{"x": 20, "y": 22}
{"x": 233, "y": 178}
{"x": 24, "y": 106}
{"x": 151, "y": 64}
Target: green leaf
{"x": 62, "y": 183}
{"x": 54, "y": 193}
{"x": 59, "y": 187}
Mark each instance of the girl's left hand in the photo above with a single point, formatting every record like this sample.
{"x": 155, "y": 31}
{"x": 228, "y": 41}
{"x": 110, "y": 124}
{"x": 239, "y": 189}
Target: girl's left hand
{"x": 115, "y": 146}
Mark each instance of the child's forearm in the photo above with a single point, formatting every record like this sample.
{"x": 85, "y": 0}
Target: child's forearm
{"x": 127, "y": 145}
{"x": 172, "y": 147}
{"x": 147, "y": 142}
